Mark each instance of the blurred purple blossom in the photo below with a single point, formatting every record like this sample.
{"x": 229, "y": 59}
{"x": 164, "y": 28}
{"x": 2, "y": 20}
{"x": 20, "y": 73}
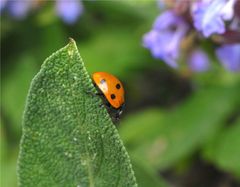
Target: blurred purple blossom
{"x": 2, "y": 4}
{"x": 198, "y": 61}
{"x": 209, "y": 15}
{"x": 19, "y": 8}
{"x": 165, "y": 37}
{"x": 229, "y": 56}
{"x": 69, "y": 10}
{"x": 235, "y": 24}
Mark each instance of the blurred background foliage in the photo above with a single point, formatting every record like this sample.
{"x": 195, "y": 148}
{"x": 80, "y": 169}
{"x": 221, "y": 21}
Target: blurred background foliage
{"x": 180, "y": 128}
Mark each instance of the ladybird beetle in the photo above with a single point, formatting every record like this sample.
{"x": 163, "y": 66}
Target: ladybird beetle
{"x": 112, "y": 90}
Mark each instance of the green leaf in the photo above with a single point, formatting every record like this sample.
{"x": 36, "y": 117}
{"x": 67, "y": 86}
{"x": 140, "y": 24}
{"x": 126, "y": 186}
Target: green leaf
{"x": 223, "y": 149}
{"x": 68, "y": 139}
{"x": 164, "y": 138}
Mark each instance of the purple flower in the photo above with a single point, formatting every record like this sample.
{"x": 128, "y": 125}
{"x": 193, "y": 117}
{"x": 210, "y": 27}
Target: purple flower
{"x": 229, "y": 56}
{"x": 165, "y": 38}
{"x": 227, "y": 11}
{"x": 19, "y": 8}
{"x": 198, "y": 61}
{"x": 166, "y": 20}
{"x": 209, "y": 15}
{"x": 235, "y": 24}
{"x": 2, "y": 4}
{"x": 69, "y": 10}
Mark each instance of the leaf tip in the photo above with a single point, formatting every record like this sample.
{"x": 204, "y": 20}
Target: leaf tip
{"x": 72, "y": 46}
{"x": 71, "y": 41}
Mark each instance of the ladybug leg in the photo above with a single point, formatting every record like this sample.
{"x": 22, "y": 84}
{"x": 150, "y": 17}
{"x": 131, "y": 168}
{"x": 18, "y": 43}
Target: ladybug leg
{"x": 117, "y": 115}
{"x": 93, "y": 94}
{"x": 99, "y": 94}
{"x": 120, "y": 111}
{"x": 108, "y": 104}
{"x": 105, "y": 104}
{"x": 116, "y": 119}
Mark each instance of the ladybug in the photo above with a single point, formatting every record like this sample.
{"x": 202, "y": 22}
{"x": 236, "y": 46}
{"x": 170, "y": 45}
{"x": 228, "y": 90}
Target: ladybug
{"x": 112, "y": 92}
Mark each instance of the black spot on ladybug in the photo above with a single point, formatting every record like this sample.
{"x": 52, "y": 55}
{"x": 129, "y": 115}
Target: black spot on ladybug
{"x": 118, "y": 86}
{"x": 113, "y": 96}
{"x": 102, "y": 81}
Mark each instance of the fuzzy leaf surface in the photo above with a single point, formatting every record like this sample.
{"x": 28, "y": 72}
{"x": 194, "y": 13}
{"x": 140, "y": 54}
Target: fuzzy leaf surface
{"x": 68, "y": 139}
